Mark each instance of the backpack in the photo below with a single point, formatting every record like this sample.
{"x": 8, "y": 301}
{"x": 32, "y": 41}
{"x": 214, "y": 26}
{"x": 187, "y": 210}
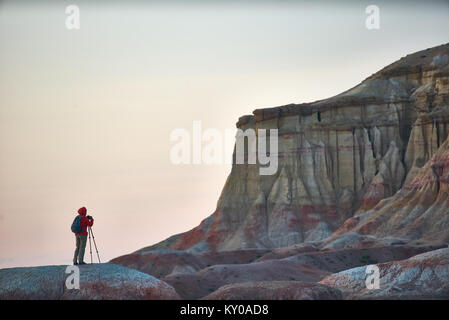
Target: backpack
{"x": 76, "y": 225}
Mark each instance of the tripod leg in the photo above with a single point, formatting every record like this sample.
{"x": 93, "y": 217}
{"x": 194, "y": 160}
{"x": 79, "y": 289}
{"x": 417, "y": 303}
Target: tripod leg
{"x": 90, "y": 247}
{"x": 95, "y": 244}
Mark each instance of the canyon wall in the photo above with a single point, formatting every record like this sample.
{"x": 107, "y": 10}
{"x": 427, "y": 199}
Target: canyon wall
{"x": 346, "y": 164}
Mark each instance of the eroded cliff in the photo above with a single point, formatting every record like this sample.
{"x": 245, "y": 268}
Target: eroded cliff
{"x": 338, "y": 158}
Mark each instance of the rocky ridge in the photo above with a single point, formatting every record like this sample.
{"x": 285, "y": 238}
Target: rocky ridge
{"x": 97, "y": 282}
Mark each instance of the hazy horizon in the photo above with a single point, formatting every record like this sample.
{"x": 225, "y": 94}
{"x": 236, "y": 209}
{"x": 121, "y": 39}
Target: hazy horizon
{"x": 85, "y": 115}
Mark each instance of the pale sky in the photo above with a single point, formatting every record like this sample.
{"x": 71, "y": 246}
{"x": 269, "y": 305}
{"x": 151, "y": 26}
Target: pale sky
{"x": 85, "y": 115}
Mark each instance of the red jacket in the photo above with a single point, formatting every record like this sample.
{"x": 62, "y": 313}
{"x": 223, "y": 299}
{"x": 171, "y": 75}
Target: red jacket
{"x": 84, "y": 224}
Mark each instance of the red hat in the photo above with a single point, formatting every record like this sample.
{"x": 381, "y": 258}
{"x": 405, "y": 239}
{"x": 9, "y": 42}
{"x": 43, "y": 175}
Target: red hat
{"x": 82, "y": 211}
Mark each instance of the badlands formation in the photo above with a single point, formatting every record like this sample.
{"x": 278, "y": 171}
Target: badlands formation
{"x": 370, "y": 164}
{"x": 97, "y": 282}
{"x": 362, "y": 179}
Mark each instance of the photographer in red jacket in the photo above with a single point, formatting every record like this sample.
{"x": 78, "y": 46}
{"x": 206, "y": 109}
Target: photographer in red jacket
{"x": 81, "y": 237}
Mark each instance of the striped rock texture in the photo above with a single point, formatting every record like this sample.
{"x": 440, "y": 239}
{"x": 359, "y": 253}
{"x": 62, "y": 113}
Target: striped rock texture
{"x": 371, "y": 160}
{"x": 97, "y": 282}
{"x": 363, "y": 178}
{"x": 425, "y": 276}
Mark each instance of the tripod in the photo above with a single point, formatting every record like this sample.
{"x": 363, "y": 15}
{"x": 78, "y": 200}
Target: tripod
{"x": 90, "y": 246}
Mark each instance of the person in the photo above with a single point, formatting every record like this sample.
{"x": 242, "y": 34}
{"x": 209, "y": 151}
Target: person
{"x": 81, "y": 237}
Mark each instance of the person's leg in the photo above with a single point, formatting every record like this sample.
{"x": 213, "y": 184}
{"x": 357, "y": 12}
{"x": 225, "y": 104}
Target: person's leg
{"x": 75, "y": 257}
{"x": 83, "y": 241}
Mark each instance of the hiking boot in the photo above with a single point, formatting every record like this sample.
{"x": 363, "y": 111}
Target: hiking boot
{"x": 82, "y": 262}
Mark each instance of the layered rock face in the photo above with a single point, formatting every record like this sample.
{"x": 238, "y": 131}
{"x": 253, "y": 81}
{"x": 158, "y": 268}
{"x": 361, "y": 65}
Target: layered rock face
{"x": 419, "y": 212}
{"x": 338, "y": 158}
{"x": 363, "y": 178}
{"x": 97, "y": 282}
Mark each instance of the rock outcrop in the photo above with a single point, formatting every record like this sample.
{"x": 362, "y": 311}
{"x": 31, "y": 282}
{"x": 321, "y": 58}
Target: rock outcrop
{"x": 340, "y": 158}
{"x": 206, "y": 281}
{"x": 161, "y": 263}
{"x": 306, "y": 267}
{"x": 97, "y": 282}
{"x": 275, "y": 290}
{"x": 425, "y": 276}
